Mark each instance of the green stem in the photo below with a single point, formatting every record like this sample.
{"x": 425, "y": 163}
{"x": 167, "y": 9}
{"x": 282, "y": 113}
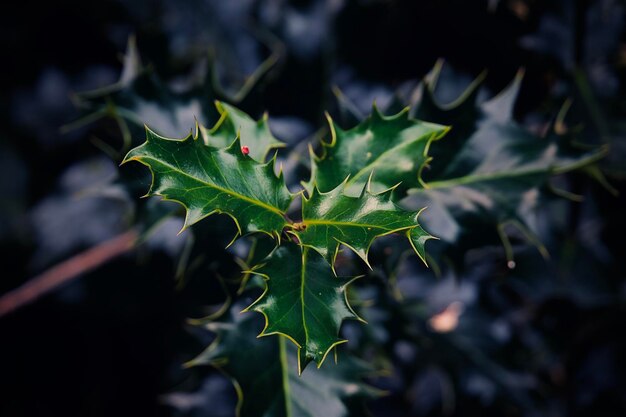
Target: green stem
{"x": 285, "y": 374}
{"x": 470, "y": 179}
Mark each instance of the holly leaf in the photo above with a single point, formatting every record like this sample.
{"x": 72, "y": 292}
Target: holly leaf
{"x": 334, "y": 218}
{"x": 207, "y": 180}
{"x": 394, "y": 148}
{"x": 141, "y": 96}
{"x": 303, "y": 301}
{"x": 265, "y": 374}
{"x": 255, "y": 135}
{"x": 491, "y": 171}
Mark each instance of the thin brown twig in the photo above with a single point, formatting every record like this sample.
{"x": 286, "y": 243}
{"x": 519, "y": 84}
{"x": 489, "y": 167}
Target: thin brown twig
{"x": 66, "y": 271}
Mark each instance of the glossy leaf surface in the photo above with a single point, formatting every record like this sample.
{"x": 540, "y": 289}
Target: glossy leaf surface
{"x": 393, "y": 148}
{"x": 208, "y": 180}
{"x": 255, "y": 135}
{"x": 332, "y": 219}
{"x": 304, "y": 301}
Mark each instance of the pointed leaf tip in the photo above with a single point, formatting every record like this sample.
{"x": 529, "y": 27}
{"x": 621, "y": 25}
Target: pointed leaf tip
{"x": 333, "y": 219}
{"x": 255, "y": 134}
{"x": 303, "y": 301}
{"x": 395, "y": 146}
{"x": 207, "y": 180}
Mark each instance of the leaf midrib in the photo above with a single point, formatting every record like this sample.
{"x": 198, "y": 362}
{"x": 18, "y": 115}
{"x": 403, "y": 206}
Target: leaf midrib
{"x": 551, "y": 170}
{"x": 473, "y": 178}
{"x": 221, "y": 189}
{"x": 302, "y": 282}
{"x": 341, "y": 223}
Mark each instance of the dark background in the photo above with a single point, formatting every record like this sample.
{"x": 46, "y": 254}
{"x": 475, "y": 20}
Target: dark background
{"x": 111, "y": 343}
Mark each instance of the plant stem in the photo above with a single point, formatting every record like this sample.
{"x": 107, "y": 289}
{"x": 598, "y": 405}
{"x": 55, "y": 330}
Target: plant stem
{"x": 66, "y": 271}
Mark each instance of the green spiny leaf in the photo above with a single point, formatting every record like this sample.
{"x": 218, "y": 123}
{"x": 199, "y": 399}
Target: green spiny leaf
{"x": 255, "y": 135}
{"x": 332, "y": 219}
{"x": 207, "y": 180}
{"x": 303, "y": 301}
{"x": 394, "y": 148}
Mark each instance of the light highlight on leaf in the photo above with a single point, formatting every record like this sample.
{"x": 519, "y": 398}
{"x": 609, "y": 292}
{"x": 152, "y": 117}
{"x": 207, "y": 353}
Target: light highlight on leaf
{"x": 207, "y": 180}
{"x": 394, "y": 148}
{"x": 303, "y": 301}
{"x": 254, "y": 135}
{"x": 332, "y": 219}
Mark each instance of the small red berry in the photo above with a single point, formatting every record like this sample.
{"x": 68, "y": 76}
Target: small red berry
{"x": 245, "y": 150}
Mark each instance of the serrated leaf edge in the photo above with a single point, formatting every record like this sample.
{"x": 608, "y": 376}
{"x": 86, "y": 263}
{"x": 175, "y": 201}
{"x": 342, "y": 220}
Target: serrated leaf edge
{"x": 405, "y": 112}
{"x": 224, "y": 112}
{"x": 364, "y": 256}
{"x": 186, "y": 224}
{"x": 254, "y": 271}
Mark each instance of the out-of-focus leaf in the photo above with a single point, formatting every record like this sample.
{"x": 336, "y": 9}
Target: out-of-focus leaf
{"x": 141, "y": 97}
{"x": 490, "y": 171}
{"x": 265, "y": 374}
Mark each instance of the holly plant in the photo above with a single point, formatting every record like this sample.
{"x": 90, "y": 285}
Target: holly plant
{"x": 349, "y": 201}
{"x": 365, "y": 182}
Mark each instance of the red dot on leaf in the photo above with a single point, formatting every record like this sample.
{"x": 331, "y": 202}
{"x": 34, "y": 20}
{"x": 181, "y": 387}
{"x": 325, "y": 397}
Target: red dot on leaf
{"x": 245, "y": 150}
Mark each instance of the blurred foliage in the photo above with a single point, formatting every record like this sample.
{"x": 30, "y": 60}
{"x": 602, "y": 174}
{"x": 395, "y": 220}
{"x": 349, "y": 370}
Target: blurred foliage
{"x": 494, "y": 327}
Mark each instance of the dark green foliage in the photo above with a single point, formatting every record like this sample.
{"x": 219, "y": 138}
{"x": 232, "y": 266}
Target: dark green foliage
{"x": 303, "y": 299}
{"x": 303, "y": 194}
{"x": 265, "y": 372}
